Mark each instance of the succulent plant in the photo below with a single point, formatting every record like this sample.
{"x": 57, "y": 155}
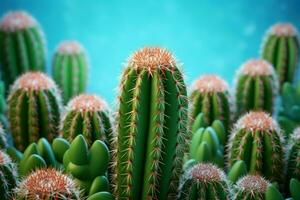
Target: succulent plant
{"x": 152, "y": 127}
{"x": 293, "y": 156}
{"x": 281, "y": 48}
{"x": 210, "y": 96}
{"x": 8, "y": 176}
{"x": 3, "y": 140}
{"x": 294, "y": 189}
{"x": 33, "y": 109}
{"x": 204, "y": 181}
{"x": 3, "y": 107}
{"x": 256, "y": 87}
{"x": 22, "y": 46}
{"x": 238, "y": 170}
{"x": 101, "y": 196}
{"x": 257, "y": 140}
{"x": 70, "y": 69}
{"x": 47, "y": 184}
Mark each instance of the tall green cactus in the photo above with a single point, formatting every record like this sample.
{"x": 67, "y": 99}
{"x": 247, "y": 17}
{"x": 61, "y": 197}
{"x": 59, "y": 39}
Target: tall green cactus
{"x": 152, "y": 127}
{"x": 210, "y": 96}
{"x": 22, "y": 46}
{"x": 3, "y": 107}
{"x": 256, "y": 87}
{"x": 258, "y": 141}
{"x": 205, "y": 182}
{"x": 293, "y": 156}
{"x": 70, "y": 68}
{"x": 281, "y": 48}
{"x": 33, "y": 109}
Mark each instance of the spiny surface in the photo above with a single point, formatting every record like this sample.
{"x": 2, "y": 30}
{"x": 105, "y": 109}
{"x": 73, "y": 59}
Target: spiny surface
{"x": 18, "y": 20}
{"x": 210, "y": 83}
{"x": 296, "y": 134}
{"x": 70, "y": 47}
{"x": 34, "y": 81}
{"x": 283, "y": 29}
{"x": 4, "y": 158}
{"x": 86, "y": 102}
{"x": 257, "y": 67}
{"x": 206, "y": 173}
{"x": 253, "y": 184}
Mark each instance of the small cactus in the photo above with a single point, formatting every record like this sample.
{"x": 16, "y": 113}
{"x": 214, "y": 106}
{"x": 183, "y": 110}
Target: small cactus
{"x": 293, "y": 157}
{"x": 47, "y": 184}
{"x": 3, "y": 140}
{"x": 70, "y": 68}
{"x": 256, "y": 87}
{"x": 205, "y": 182}
{"x": 281, "y": 48}
{"x": 33, "y": 109}
{"x": 22, "y": 46}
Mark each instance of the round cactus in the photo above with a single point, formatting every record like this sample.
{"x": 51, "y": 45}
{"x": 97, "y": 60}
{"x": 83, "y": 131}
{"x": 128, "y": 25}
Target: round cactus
{"x": 204, "y": 181}
{"x": 210, "y": 96}
{"x": 22, "y": 46}
{"x": 70, "y": 69}
{"x": 293, "y": 158}
{"x": 281, "y": 48}
{"x": 256, "y": 87}
{"x": 33, "y": 109}
{"x": 257, "y": 140}
{"x": 152, "y": 121}
{"x": 47, "y": 183}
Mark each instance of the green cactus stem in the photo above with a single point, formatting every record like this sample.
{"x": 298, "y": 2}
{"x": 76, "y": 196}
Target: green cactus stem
{"x": 152, "y": 127}
{"x": 70, "y": 69}
{"x": 101, "y": 196}
{"x": 33, "y": 109}
{"x": 293, "y": 156}
{"x": 3, "y": 140}
{"x": 22, "y": 46}
{"x": 281, "y": 48}
{"x": 238, "y": 170}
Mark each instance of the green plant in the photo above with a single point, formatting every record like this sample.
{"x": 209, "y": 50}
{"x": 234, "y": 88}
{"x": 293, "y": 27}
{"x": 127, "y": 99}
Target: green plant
{"x": 152, "y": 127}
{"x": 238, "y": 170}
{"x": 33, "y": 109}
{"x": 70, "y": 68}
{"x": 256, "y": 87}
{"x": 101, "y": 196}
{"x": 22, "y": 46}
{"x": 258, "y": 141}
{"x": 3, "y": 140}
{"x": 3, "y": 107}
{"x": 293, "y": 156}
{"x": 204, "y": 181}
{"x": 294, "y": 188}
{"x": 281, "y": 48}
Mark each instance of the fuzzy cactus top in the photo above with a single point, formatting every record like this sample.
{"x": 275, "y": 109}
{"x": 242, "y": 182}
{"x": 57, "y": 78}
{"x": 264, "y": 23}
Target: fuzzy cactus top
{"x": 257, "y": 67}
{"x": 283, "y": 29}
{"x": 210, "y": 83}
{"x": 87, "y": 103}
{"x": 17, "y": 20}
{"x": 70, "y": 47}
{"x": 207, "y": 173}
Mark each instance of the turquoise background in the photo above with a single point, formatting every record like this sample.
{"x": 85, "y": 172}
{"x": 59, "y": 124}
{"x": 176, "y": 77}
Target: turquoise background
{"x": 206, "y": 36}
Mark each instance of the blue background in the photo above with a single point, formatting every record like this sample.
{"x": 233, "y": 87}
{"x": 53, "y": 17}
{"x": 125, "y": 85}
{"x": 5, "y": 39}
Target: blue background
{"x": 206, "y": 36}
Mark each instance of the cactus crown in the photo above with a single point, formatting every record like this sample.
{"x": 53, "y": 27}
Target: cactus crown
{"x": 207, "y": 173}
{"x": 86, "y": 102}
{"x": 17, "y": 20}
{"x": 283, "y": 29}
{"x": 296, "y": 134}
{"x": 210, "y": 83}
{"x": 4, "y": 158}
{"x": 70, "y": 47}
{"x": 253, "y": 184}
{"x": 257, "y": 67}
{"x": 34, "y": 81}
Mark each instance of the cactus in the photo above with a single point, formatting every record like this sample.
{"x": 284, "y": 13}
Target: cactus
{"x": 22, "y": 46}
{"x": 88, "y": 115}
{"x": 48, "y": 184}
{"x": 204, "y": 181}
{"x": 210, "y": 96}
{"x": 294, "y": 189}
{"x": 238, "y": 170}
{"x": 3, "y": 140}
{"x": 69, "y": 69}
{"x": 33, "y": 109}
{"x": 257, "y": 140}
{"x": 152, "y": 127}
{"x": 256, "y": 87}
{"x": 281, "y": 48}
{"x": 8, "y": 176}
{"x": 293, "y": 156}
{"x": 3, "y": 107}
{"x": 101, "y": 196}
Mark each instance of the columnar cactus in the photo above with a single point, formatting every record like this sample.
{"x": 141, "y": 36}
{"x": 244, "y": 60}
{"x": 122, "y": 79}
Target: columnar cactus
{"x": 47, "y": 183}
{"x": 256, "y": 87}
{"x": 293, "y": 157}
{"x": 210, "y": 96}
{"x": 3, "y": 140}
{"x": 70, "y": 68}
{"x": 204, "y": 181}
{"x": 258, "y": 141}
{"x": 152, "y": 121}
{"x": 33, "y": 109}
{"x": 3, "y": 107}
{"x": 281, "y": 48}
{"x": 88, "y": 115}
{"x": 22, "y": 46}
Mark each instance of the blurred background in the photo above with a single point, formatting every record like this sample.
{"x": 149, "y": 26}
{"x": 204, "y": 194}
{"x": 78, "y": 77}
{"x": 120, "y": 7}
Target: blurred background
{"x": 205, "y": 36}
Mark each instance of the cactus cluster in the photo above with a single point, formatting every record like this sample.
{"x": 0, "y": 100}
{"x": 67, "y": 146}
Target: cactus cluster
{"x": 293, "y": 157}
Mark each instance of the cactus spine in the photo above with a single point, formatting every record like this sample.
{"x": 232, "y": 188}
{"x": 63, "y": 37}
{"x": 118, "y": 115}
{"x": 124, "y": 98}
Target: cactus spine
{"x": 256, "y": 87}
{"x": 70, "y": 69}
{"x": 21, "y": 46}
{"x": 152, "y": 125}
{"x": 281, "y": 48}
{"x": 257, "y": 140}
{"x": 293, "y": 157}
{"x": 33, "y": 109}
{"x": 3, "y": 140}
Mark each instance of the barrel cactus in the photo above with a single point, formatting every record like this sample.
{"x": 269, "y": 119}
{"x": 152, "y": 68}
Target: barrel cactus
{"x": 152, "y": 127}
{"x": 293, "y": 156}
{"x": 33, "y": 109}
{"x": 257, "y": 140}
{"x": 70, "y": 68}
{"x": 281, "y": 48}
{"x": 22, "y": 46}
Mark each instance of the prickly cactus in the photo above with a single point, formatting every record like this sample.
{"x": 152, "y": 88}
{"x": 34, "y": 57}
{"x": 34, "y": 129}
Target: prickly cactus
{"x": 293, "y": 156}
{"x": 70, "y": 68}
{"x": 152, "y": 121}
{"x": 33, "y": 109}
{"x": 22, "y": 46}
{"x": 3, "y": 140}
{"x": 3, "y": 107}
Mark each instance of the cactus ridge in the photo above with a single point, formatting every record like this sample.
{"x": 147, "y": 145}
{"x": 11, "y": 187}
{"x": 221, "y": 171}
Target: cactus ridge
{"x": 293, "y": 156}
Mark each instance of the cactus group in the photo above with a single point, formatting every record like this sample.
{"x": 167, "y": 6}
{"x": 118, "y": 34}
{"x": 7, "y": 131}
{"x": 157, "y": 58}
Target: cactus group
{"x": 70, "y": 68}
{"x": 152, "y": 127}
{"x": 21, "y": 46}
{"x": 281, "y": 48}
{"x": 33, "y": 109}
{"x": 293, "y": 157}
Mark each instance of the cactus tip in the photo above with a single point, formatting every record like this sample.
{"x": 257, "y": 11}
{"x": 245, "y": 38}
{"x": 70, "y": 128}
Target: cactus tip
{"x": 86, "y": 102}
{"x": 206, "y": 172}
{"x": 34, "y": 81}
{"x": 296, "y": 133}
{"x": 283, "y": 29}
{"x": 69, "y": 47}
{"x": 4, "y": 158}
{"x": 257, "y": 67}
{"x": 253, "y": 184}
{"x": 210, "y": 83}
{"x": 17, "y": 20}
